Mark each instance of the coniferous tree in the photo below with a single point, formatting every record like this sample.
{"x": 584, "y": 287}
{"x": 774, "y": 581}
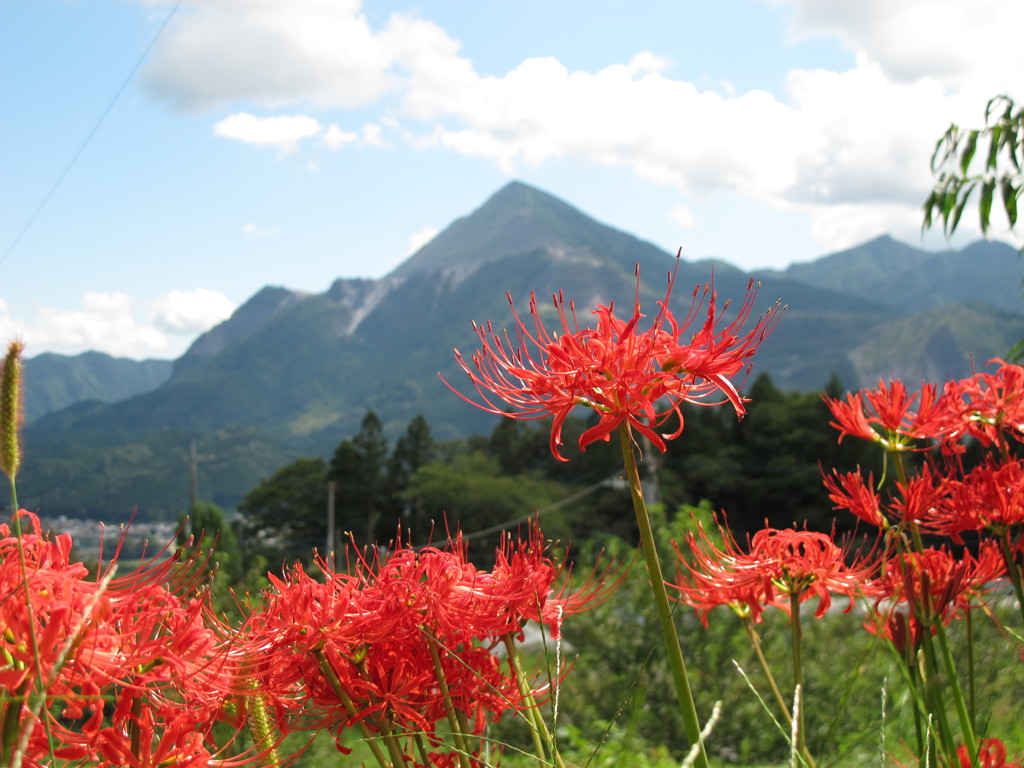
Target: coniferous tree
{"x": 358, "y": 471}
{"x": 413, "y": 450}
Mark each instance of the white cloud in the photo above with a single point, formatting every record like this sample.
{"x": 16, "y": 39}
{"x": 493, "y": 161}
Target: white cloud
{"x": 959, "y": 42}
{"x": 117, "y": 325}
{"x": 270, "y": 53}
{"x": 254, "y": 230}
{"x": 683, "y": 216}
{"x": 10, "y": 328}
{"x": 105, "y": 324}
{"x": 847, "y": 148}
{"x": 282, "y": 131}
{"x": 373, "y": 135}
{"x": 191, "y": 312}
{"x": 335, "y": 138}
{"x": 418, "y": 239}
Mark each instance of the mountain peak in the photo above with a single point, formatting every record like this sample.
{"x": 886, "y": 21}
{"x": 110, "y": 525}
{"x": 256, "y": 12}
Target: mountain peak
{"x": 516, "y": 220}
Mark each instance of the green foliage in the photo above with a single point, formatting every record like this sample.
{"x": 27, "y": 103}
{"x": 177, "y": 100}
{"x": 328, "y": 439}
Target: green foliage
{"x": 57, "y": 381}
{"x": 287, "y": 513}
{"x": 469, "y": 490}
{"x": 765, "y": 467}
{"x": 149, "y": 474}
{"x": 358, "y": 470}
{"x": 414, "y": 449}
{"x": 207, "y": 529}
{"x": 617, "y": 700}
{"x": 958, "y": 175}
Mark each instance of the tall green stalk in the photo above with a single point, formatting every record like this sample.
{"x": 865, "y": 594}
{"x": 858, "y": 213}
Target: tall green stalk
{"x": 796, "y": 634}
{"x": 680, "y": 678}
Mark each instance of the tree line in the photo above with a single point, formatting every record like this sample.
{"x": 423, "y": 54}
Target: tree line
{"x": 766, "y": 467}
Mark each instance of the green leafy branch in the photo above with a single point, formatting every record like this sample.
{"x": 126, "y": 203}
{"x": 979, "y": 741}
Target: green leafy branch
{"x": 1001, "y": 157}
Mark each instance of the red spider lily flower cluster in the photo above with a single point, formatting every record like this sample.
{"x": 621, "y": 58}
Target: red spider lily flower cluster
{"x": 137, "y": 670}
{"x": 626, "y": 374}
{"x": 403, "y": 642}
{"x": 988, "y": 406}
{"x": 977, "y": 510}
{"x": 942, "y": 497}
{"x": 777, "y": 566}
{"x": 930, "y": 587}
{"x": 888, "y": 416}
{"x": 132, "y": 659}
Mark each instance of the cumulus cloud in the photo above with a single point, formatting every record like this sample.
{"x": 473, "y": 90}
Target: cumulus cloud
{"x": 10, "y": 328}
{"x": 683, "y": 216}
{"x": 191, "y": 312}
{"x": 282, "y": 131}
{"x": 335, "y": 138}
{"x": 254, "y": 230}
{"x": 105, "y": 323}
{"x": 847, "y": 147}
{"x": 270, "y": 53}
{"x": 113, "y": 323}
{"x": 956, "y": 41}
{"x": 420, "y": 238}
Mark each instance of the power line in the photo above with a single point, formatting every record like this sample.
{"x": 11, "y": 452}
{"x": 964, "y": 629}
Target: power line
{"x": 89, "y": 136}
{"x": 611, "y": 480}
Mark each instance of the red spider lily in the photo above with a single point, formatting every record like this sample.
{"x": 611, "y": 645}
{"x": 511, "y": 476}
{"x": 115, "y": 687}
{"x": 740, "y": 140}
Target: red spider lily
{"x": 364, "y": 647}
{"x": 778, "y": 563}
{"x": 627, "y": 375}
{"x": 124, "y": 640}
{"x": 902, "y": 631}
{"x": 850, "y": 491}
{"x": 989, "y": 497}
{"x": 913, "y": 502}
{"x": 992, "y": 403}
{"x": 991, "y": 754}
{"x": 936, "y": 585}
{"x": 713, "y": 575}
{"x": 885, "y": 415}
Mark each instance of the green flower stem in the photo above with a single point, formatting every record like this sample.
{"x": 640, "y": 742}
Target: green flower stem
{"x": 933, "y": 696}
{"x": 797, "y": 634}
{"x": 966, "y": 723}
{"x": 350, "y": 707}
{"x": 691, "y": 721}
{"x": 533, "y": 715}
{"x": 398, "y": 757}
{"x": 971, "y": 697}
{"x": 755, "y": 641}
{"x": 453, "y": 721}
{"x": 1013, "y": 569}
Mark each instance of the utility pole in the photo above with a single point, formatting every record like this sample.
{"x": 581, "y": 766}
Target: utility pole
{"x": 193, "y": 465}
{"x": 649, "y": 465}
{"x": 329, "y": 555}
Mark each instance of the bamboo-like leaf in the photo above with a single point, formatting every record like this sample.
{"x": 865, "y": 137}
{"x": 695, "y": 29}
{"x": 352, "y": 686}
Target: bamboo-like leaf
{"x": 969, "y": 148}
{"x": 1009, "y": 193}
{"x": 958, "y": 209}
{"x": 985, "y": 204}
{"x": 993, "y": 148}
{"x": 931, "y": 202}
{"x": 1016, "y": 353}
{"x": 948, "y": 141}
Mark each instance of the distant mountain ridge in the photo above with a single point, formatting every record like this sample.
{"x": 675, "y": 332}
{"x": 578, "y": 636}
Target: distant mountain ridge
{"x": 53, "y": 382}
{"x": 911, "y": 279}
{"x": 293, "y": 373}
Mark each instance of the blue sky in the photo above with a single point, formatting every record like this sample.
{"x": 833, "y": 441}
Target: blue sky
{"x": 162, "y": 161}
